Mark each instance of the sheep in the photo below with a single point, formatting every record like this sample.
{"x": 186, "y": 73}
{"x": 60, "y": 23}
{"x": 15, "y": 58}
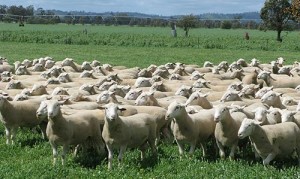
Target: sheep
{"x": 249, "y": 91}
{"x": 279, "y": 82}
{"x": 49, "y": 64}
{"x": 272, "y": 98}
{"x": 119, "y": 90}
{"x": 148, "y": 99}
{"x": 106, "y": 97}
{"x": 196, "y": 75}
{"x": 263, "y": 91}
{"x": 261, "y": 116}
{"x": 6, "y": 68}
{"x": 38, "y": 89}
{"x": 59, "y": 91}
{"x": 86, "y": 66}
{"x": 226, "y": 132}
{"x": 131, "y": 131}
{"x": 14, "y": 84}
{"x": 190, "y": 128}
{"x": 289, "y": 101}
{"x": 270, "y": 141}
{"x": 38, "y": 67}
{"x": 208, "y": 64}
{"x": 289, "y": 116}
{"x": 133, "y": 94}
{"x": 17, "y": 114}
{"x": 105, "y": 85}
{"x": 87, "y": 74}
{"x": 200, "y": 99}
{"x": 145, "y": 73}
{"x": 70, "y": 62}
{"x": 175, "y": 77}
{"x": 64, "y": 78}
{"x": 184, "y": 90}
{"x": 73, "y": 129}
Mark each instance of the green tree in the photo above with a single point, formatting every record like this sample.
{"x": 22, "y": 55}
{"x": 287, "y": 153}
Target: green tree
{"x": 275, "y": 16}
{"x": 187, "y": 22}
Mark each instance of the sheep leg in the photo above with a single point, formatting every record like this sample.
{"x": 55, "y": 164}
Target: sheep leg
{"x": 43, "y": 127}
{"x": 54, "y": 152}
{"x": 110, "y": 155}
{"x": 13, "y": 134}
{"x": 203, "y": 146}
{"x": 8, "y": 135}
{"x": 269, "y": 158}
{"x": 232, "y": 151}
{"x": 121, "y": 152}
{"x": 180, "y": 147}
{"x": 64, "y": 153}
{"x": 221, "y": 149}
{"x": 192, "y": 148}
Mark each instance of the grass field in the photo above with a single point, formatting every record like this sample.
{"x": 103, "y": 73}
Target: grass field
{"x": 137, "y": 46}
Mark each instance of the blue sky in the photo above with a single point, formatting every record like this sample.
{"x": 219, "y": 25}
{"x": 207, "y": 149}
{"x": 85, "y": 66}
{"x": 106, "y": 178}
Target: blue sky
{"x": 158, "y": 7}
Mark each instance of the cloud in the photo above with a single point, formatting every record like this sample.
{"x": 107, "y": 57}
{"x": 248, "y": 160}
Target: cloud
{"x": 160, "y": 7}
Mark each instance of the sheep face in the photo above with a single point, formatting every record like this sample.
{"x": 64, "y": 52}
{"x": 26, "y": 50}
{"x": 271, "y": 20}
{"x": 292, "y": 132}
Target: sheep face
{"x": 264, "y": 75}
{"x": 200, "y": 83}
{"x": 38, "y": 90}
{"x": 87, "y": 87}
{"x": 184, "y": 91}
{"x": 27, "y": 63}
{"x": 104, "y": 97}
{"x": 196, "y": 75}
{"x": 133, "y": 94}
{"x": 175, "y": 77}
{"x": 95, "y": 63}
{"x": 20, "y": 97}
{"x": 175, "y": 109}
{"x": 21, "y": 70}
{"x": 262, "y": 91}
{"x": 106, "y": 85}
{"x": 247, "y": 128}
{"x": 64, "y": 78}
{"x": 288, "y": 101}
{"x": 270, "y": 98}
{"x": 49, "y": 64}
{"x": 111, "y": 111}
{"x": 157, "y": 86}
{"x": 42, "y": 112}
{"x": 196, "y": 98}
{"x": 144, "y": 73}
{"x": 38, "y": 67}
{"x": 288, "y": 116}
{"x": 274, "y": 113}
{"x": 221, "y": 113}
{"x": 14, "y": 84}
{"x": 260, "y": 114}
{"x": 59, "y": 91}
{"x": 86, "y": 66}
{"x": 144, "y": 99}
{"x": 230, "y": 96}
{"x": 53, "y": 108}
{"x": 142, "y": 82}
{"x": 86, "y": 74}
{"x": 2, "y": 100}
{"x": 67, "y": 62}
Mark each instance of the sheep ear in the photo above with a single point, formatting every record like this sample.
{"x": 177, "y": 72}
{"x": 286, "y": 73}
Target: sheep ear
{"x": 121, "y": 109}
{"x": 101, "y": 107}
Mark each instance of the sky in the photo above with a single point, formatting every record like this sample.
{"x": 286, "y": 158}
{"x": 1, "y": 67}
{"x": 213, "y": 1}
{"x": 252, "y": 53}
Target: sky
{"x": 155, "y": 7}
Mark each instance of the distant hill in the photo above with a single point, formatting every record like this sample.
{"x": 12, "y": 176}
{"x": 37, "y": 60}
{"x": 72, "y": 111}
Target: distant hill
{"x": 209, "y": 16}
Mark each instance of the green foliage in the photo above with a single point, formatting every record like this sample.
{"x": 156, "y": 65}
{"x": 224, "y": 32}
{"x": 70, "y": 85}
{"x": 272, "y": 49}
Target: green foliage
{"x": 275, "y": 16}
{"x": 187, "y": 22}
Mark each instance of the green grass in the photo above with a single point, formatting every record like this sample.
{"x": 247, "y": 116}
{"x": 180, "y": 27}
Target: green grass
{"x": 31, "y": 157}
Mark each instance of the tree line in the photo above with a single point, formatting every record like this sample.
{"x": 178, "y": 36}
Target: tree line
{"x": 276, "y": 15}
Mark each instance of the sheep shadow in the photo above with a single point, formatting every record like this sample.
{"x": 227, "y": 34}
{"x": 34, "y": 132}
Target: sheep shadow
{"x": 90, "y": 159}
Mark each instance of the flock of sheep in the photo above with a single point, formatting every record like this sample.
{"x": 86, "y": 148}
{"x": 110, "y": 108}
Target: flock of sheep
{"x": 96, "y": 105}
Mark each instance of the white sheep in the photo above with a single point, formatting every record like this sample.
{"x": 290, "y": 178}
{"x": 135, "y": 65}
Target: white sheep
{"x": 17, "y": 114}
{"x": 190, "y": 128}
{"x": 226, "y": 132}
{"x": 270, "y": 141}
{"x": 71, "y": 129}
{"x": 131, "y": 131}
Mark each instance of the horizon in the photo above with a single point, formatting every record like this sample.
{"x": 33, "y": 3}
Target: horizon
{"x": 153, "y": 7}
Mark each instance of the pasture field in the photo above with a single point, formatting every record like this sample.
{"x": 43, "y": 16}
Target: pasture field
{"x": 31, "y": 157}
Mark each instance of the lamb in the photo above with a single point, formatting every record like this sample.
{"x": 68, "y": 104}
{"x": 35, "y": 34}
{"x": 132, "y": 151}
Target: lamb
{"x": 191, "y": 128}
{"x": 17, "y": 114}
{"x": 131, "y": 131}
{"x": 73, "y": 129}
{"x": 226, "y": 132}
{"x": 270, "y": 141}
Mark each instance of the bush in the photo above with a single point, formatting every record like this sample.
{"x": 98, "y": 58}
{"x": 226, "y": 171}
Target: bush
{"x": 226, "y": 25}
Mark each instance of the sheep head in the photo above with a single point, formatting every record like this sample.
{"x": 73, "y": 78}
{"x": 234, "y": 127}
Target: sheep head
{"x": 247, "y": 127}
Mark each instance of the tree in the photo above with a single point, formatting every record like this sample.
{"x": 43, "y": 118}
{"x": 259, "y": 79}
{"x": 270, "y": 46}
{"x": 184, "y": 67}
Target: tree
{"x": 187, "y": 22}
{"x": 275, "y": 16}
{"x": 295, "y": 10}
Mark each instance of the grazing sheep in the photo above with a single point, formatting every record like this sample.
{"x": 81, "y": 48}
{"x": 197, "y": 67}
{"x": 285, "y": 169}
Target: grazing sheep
{"x": 131, "y": 131}
{"x": 17, "y": 114}
{"x": 190, "y": 128}
{"x": 71, "y": 129}
{"x": 270, "y": 141}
